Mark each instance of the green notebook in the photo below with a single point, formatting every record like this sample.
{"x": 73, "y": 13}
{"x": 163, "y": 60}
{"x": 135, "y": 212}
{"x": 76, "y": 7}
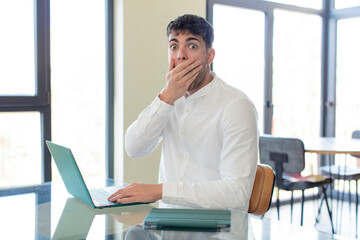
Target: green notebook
{"x": 187, "y": 219}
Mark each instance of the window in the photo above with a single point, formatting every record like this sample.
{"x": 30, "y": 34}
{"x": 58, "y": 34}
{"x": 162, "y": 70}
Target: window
{"x": 79, "y": 103}
{"x": 273, "y": 54}
{"x": 347, "y": 77}
{"x": 78, "y": 81}
{"x": 23, "y": 92}
{"x": 317, "y": 4}
{"x": 240, "y": 51}
{"x": 20, "y": 151}
{"x": 346, "y": 3}
{"x": 295, "y": 77}
{"x": 296, "y": 74}
{"x": 17, "y": 48}
{"x": 299, "y": 85}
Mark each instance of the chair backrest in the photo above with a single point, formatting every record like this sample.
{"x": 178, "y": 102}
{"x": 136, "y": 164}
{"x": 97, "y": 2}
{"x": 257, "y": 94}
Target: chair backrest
{"x": 262, "y": 191}
{"x": 356, "y": 134}
{"x": 292, "y": 148}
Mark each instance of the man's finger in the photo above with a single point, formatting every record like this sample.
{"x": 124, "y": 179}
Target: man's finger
{"x": 126, "y": 200}
{"x": 191, "y": 76}
{"x": 191, "y": 79}
{"x": 120, "y": 191}
{"x": 114, "y": 194}
{"x": 192, "y": 72}
{"x": 183, "y": 65}
{"x": 172, "y": 64}
{"x": 114, "y": 198}
{"x": 119, "y": 194}
{"x": 194, "y": 66}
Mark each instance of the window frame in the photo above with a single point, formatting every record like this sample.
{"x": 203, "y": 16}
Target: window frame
{"x": 41, "y": 101}
{"x": 329, "y": 16}
{"x": 268, "y": 9}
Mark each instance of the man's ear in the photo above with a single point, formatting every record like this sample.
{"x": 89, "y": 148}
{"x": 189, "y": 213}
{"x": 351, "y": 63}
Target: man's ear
{"x": 211, "y": 55}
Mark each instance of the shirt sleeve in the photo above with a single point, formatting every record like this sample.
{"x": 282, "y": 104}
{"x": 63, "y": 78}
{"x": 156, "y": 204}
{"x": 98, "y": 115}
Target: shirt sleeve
{"x": 144, "y": 135}
{"x": 237, "y": 168}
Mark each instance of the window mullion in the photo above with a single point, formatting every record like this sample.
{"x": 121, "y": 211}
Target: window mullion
{"x": 268, "y": 108}
{"x": 42, "y": 55}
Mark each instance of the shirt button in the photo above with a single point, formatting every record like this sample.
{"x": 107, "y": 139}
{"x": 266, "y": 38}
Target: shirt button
{"x": 187, "y": 110}
{"x": 185, "y": 156}
{"x": 180, "y": 133}
{"x": 181, "y": 179}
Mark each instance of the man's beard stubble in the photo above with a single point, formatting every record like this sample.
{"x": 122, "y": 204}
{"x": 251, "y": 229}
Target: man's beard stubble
{"x": 198, "y": 80}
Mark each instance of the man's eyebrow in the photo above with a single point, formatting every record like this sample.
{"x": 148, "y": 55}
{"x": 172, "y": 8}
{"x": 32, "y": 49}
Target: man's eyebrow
{"x": 173, "y": 40}
{"x": 192, "y": 38}
{"x": 187, "y": 40}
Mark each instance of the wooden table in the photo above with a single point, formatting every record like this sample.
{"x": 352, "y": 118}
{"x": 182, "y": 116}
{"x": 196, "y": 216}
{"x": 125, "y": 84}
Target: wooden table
{"x": 332, "y": 146}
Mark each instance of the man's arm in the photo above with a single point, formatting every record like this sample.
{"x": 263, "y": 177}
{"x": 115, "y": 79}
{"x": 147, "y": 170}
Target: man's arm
{"x": 138, "y": 193}
{"x": 143, "y": 136}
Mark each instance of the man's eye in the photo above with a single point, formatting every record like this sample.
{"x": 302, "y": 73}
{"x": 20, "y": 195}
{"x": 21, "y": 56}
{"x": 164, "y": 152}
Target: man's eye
{"x": 192, "y": 46}
{"x": 173, "y": 47}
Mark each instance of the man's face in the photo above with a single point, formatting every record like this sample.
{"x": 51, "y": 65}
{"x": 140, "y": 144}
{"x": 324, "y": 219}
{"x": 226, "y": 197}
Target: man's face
{"x": 186, "y": 46}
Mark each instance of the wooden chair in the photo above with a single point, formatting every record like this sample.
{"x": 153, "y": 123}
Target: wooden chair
{"x": 262, "y": 191}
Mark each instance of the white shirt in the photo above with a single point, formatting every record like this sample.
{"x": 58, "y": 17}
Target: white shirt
{"x": 209, "y": 150}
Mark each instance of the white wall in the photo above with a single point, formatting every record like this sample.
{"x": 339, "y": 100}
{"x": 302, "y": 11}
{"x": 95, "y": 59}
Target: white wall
{"x": 141, "y": 64}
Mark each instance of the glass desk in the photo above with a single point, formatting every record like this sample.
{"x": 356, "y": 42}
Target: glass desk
{"x": 48, "y": 212}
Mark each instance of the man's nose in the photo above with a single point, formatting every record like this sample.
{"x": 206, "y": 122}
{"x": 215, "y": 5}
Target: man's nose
{"x": 181, "y": 54}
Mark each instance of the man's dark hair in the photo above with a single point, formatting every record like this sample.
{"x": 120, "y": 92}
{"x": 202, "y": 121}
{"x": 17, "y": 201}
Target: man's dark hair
{"x": 193, "y": 24}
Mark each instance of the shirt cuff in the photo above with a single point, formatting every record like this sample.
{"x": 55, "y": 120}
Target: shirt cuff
{"x": 160, "y": 106}
{"x": 170, "y": 193}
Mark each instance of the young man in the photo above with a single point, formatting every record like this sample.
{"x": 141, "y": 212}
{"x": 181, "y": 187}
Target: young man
{"x": 208, "y": 129}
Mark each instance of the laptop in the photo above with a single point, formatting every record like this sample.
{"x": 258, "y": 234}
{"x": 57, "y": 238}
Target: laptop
{"x": 74, "y": 182}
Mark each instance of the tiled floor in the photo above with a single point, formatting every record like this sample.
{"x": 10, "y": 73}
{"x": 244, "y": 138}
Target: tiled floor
{"x": 344, "y": 224}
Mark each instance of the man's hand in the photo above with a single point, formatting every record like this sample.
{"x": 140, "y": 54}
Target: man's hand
{"x": 178, "y": 79}
{"x": 136, "y": 192}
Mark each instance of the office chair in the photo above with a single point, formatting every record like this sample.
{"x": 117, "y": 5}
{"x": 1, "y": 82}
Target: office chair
{"x": 287, "y": 157}
{"x": 346, "y": 173}
{"x": 262, "y": 191}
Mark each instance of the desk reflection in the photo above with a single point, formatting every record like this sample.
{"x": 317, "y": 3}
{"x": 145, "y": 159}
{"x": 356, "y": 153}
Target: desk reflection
{"x": 77, "y": 218}
{"x": 54, "y": 216}
{"x": 238, "y": 230}
{"x": 76, "y": 221}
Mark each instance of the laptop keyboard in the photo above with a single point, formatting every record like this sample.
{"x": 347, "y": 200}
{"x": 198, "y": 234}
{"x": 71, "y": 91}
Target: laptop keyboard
{"x": 99, "y": 196}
